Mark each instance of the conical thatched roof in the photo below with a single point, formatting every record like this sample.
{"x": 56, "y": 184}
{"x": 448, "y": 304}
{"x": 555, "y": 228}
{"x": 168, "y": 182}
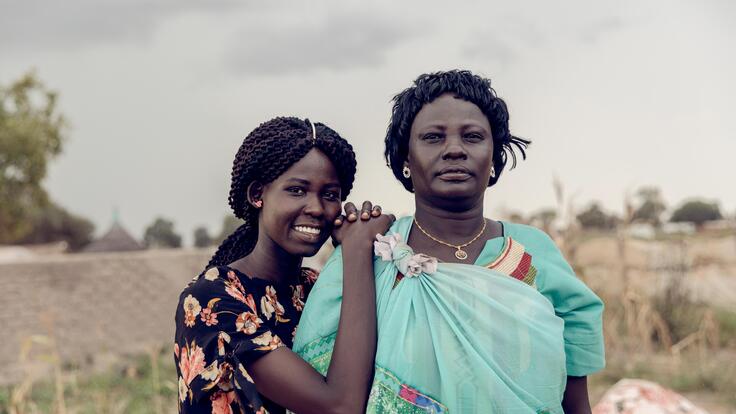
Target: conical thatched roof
{"x": 117, "y": 239}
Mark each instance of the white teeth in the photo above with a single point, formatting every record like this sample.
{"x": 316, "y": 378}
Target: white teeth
{"x": 308, "y": 230}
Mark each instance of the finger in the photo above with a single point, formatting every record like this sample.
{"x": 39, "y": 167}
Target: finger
{"x": 339, "y": 220}
{"x": 365, "y": 212}
{"x": 351, "y": 212}
{"x": 376, "y": 211}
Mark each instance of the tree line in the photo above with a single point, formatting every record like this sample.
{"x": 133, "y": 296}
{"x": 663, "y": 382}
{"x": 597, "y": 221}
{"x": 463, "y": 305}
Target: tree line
{"x": 646, "y": 207}
{"x": 33, "y": 132}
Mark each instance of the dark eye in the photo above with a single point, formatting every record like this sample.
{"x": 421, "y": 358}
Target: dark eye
{"x": 431, "y": 137}
{"x": 332, "y": 195}
{"x": 297, "y": 191}
{"x": 474, "y": 136}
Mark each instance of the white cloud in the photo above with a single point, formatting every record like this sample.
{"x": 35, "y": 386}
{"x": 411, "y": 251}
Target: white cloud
{"x": 341, "y": 40}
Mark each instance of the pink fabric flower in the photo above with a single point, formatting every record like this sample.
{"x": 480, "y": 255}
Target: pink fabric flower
{"x": 420, "y": 263}
{"x": 222, "y": 339}
{"x": 408, "y": 394}
{"x": 384, "y": 245}
{"x": 392, "y": 248}
{"x": 208, "y": 317}
{"x": 297, "y": 297}
{"x": 221, "y": 402}
{"x": 248, "y": 323}
{"x": 310, "y": 275}
{"x": 191, "y": 362}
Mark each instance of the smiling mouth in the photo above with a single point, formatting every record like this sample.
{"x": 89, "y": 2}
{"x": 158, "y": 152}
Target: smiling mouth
{"x": 312, "y": 231}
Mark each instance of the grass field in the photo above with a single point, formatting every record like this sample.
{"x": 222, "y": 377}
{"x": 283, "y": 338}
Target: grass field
{"x": 684, "y": 344}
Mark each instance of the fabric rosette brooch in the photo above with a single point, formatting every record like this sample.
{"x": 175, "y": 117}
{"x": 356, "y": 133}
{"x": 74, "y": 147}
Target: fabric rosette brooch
{"x": 391, "y": 248}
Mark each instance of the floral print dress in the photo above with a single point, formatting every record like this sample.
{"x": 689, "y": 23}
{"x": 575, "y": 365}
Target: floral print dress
{"x": 224, "y": 321}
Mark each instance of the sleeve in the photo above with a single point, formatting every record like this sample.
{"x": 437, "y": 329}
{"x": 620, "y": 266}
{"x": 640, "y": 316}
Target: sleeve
{"x": 220, "y": 329}
{"x": 577, "y": 305}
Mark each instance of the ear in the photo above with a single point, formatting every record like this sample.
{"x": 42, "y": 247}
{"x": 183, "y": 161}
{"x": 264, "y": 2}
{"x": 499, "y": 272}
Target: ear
{"x": 254, "y": 194}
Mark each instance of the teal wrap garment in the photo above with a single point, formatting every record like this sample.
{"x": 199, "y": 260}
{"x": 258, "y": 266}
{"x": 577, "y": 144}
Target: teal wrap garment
{"x": 451, "y": 337}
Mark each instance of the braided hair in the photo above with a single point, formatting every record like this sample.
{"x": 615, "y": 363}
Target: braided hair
{"x": 266, "y": 153}
{"x": 465, "y": 85}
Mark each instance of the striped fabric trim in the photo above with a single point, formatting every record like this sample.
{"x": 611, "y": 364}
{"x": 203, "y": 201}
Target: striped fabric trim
{"x": 515, "y": 262}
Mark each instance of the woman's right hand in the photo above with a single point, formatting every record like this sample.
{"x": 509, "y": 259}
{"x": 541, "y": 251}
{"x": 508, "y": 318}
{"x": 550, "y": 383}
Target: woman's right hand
{"x": 361, "y": 227}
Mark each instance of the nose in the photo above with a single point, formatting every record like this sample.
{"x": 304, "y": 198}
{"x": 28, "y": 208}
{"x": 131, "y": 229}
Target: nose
{"x": 454, "y": 149}
{"x": 314, "y": 206}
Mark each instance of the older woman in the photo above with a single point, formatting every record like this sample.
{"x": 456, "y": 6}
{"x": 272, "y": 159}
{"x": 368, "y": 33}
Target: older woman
{"x": 474, "y": 314}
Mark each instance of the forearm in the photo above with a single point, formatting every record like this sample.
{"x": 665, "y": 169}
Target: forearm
{"x": 575, "y": 400}
{"x": 349, "y": 374}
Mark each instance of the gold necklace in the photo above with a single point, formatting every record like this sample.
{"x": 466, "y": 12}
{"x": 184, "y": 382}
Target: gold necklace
{"x": 459, "y": 253}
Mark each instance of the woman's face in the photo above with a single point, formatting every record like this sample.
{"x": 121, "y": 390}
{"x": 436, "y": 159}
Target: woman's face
{"x": 450, "y": 151}
{"x": 300, "y": 206}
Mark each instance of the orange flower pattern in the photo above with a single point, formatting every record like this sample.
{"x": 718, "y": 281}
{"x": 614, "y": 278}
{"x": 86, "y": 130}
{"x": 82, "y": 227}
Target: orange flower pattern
{"x": 297, "y": 297}
{"x": 224, "y": 321}
{"x": 270, "y": 305}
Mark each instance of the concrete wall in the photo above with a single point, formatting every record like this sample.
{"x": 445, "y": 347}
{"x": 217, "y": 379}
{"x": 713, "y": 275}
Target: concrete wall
{"x": 92, "y": 304}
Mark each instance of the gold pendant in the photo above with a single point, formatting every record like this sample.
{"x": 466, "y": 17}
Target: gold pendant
{"x": 461, "y": 254}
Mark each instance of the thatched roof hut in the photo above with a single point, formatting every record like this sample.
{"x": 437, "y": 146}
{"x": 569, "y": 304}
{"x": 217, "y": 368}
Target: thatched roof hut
{"x": 117, "y": 239}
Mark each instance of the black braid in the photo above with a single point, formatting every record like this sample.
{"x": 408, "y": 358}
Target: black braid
{"x": 265, "y": 154}
{"x": 466, "y": 85}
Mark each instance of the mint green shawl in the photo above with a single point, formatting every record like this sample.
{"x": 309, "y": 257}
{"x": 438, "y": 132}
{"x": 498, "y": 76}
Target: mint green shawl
{"x": 463, "y": 339}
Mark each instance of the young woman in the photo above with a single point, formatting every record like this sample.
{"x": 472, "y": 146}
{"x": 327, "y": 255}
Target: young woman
{"x": 486, "y": 316}
{"x": 235, "y": 322}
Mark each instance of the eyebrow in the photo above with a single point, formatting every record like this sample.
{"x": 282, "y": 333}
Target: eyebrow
{"x": 307, "y": 183}
{"x": 442, "y": 127}
{"x": 298, "y": 180}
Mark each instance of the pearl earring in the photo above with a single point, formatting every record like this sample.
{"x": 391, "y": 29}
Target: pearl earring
{"x": 406, "y": 172}
{"x": 493, "y": 171}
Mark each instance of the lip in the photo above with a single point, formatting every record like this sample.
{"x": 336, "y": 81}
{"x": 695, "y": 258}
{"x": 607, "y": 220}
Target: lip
{"x": 309, "y": 237}
{"x": 455, "y": 169}
{"x": 454, "y": 173}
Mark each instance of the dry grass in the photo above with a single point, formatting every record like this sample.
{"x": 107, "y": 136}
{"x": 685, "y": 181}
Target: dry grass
{"x": 667, "y": 337}
{"x": 136, "y": 385}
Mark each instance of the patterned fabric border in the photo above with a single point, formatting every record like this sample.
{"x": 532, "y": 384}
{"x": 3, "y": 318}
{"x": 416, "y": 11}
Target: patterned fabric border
{"x": 319, "y": 353}
{"x": 390, "y": 395}
{"x": 515, "y": 262}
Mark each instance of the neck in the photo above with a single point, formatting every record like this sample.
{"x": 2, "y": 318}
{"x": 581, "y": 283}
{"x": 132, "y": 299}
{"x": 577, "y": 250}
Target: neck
{"x": 269, "y": 261}
{"x": 450, "y": 224}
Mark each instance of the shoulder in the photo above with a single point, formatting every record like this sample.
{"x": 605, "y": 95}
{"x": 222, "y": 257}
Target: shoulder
{"x": 531, "y": 237}
{"x": 223, "y": 284}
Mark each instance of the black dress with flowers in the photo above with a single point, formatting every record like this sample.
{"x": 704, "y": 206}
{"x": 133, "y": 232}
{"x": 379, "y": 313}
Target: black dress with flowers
{"x": 224, "y": 321}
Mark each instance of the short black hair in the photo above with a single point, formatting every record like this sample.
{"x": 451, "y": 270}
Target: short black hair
{"x": 266, "y": 153}
{"x": 465, "y": 85}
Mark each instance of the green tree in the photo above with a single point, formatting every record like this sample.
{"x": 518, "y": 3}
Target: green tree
{"x": 53, "y": 223}
{"x": 544, "y": 219}
{"x": 696, "y": 212}
{"x": 202, "y": 237}
{"x": 161, "y": 234}
{"x": 650, "y": 206}
{"x": 595, "y": 218}
{"x": 230, "y": 223}
{"x": 31, "y": 133}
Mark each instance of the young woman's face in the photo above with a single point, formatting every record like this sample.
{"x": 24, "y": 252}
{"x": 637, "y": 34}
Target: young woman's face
{"x": 300, "y": 206}
{"x": 450, "y": 150}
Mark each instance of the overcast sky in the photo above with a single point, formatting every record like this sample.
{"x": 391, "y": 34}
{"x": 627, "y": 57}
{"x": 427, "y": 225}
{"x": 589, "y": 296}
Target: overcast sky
{"x": 159, "y": 95}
